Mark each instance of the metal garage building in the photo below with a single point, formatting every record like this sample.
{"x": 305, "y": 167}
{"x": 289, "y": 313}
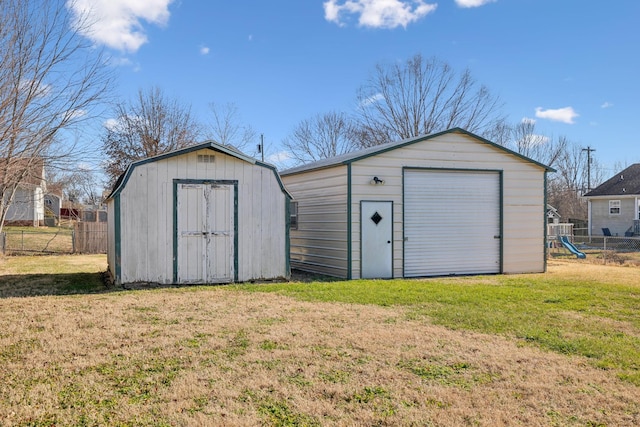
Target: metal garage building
{"x": 203, "y": 214}
{"x": 443, "y": 204}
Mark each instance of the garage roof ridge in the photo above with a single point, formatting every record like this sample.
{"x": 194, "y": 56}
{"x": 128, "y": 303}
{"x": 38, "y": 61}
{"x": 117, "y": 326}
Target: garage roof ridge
{"x": 354, "y": 156}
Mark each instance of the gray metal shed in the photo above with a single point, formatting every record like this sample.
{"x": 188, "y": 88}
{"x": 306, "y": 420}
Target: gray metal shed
{"x": 447, "y": 203}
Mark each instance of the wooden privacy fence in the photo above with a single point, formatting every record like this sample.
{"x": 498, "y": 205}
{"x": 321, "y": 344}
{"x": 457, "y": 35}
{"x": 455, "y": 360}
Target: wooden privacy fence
{"x": 90, "y": 237}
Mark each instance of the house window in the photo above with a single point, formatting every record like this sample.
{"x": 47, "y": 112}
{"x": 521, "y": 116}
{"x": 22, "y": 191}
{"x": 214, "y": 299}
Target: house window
{"x": 614, "y": 207}
{"x": 293, "y": 215}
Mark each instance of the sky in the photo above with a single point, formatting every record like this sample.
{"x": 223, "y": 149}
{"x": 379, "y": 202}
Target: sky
{"x": 570, "y": 65}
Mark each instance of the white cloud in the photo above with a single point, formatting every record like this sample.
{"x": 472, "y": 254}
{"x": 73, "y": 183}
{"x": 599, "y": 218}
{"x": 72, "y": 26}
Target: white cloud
{"x": 564, "y": 115}
{"x": 606, "y": 105}
{"x": 76, "y": 114}
{"x": 204, "y": 50}
{"x": 111, "y": 124}
{"x": 35, "y": 89}
{"x": 528, "y": 120}
{"x": 378, "y": 13}
{"x": 120, "y": 61}
{"x": 117, "y": 24}
{"x": 279, "y": 157}
{"x": 532, "y": 140}
{"x": 473, "y": 3}
{"x": 371, "y": 100}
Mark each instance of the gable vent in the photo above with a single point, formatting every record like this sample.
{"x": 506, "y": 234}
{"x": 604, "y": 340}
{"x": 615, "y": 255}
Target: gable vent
{"x": 206, "y": 158}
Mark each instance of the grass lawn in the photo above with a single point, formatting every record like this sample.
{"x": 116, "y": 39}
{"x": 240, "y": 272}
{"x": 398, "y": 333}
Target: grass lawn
{"x": 574, "y": 309}
{"x": 560, "y": 348}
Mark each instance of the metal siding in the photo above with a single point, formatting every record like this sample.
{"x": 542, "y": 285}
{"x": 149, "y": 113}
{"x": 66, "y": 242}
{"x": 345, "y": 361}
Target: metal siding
{"x": 452, "y": 222}
{"x": 523, "y": 193}
{"x": 522, "y": 202}
{"x": 319, "y": 245}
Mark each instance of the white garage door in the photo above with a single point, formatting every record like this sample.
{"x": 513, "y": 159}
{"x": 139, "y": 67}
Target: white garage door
{"x": 452, "y": 222}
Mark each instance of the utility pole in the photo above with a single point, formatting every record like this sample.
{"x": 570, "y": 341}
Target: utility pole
{"x": 588, "y": 150}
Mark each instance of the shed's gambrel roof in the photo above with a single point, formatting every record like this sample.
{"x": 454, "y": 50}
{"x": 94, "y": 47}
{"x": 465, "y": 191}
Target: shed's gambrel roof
{"x": 625, "y": 183}
{"x": 378, "y": 149}
{"x": 207, "y": 145}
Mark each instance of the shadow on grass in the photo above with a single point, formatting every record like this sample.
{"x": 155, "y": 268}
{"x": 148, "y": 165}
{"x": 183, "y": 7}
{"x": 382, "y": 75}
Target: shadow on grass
{"x": 305, "y": 277}
{"x": 28, "y": 285}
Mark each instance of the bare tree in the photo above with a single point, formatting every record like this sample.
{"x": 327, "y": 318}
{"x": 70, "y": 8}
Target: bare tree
{"x": 150, "y": 125}
{"x": 51, "y": 78}
{"x": 569, "y": 183}
{"x": 325, "y": 135}
{"x": 527, "y": 141}
{"x": 227, "y": 129}
{"x": 81, "y": 187}
{"x": 417, "y": 97}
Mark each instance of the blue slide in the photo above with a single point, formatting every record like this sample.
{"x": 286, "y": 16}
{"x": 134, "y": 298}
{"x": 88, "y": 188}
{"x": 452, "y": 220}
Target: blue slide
{"x": 567, "y": 244}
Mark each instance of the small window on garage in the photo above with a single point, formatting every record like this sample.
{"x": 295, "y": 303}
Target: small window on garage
{"x": 293, "y": 215}
{"x": 614, "y": 207}
{"x": 206, "y": 158}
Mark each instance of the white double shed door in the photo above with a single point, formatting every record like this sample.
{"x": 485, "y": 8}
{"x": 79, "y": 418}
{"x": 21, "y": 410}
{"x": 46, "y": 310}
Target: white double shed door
{"x": 205, "y": 232}
{"x": 451, "y": 220}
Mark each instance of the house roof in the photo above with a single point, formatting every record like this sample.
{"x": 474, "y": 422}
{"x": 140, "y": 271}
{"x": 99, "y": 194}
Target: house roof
{"x": 553, "y": 211}
{"x": 28, "y": 171}
{"x": 625, "y": 183}
{"x": 372, "y": 151}
{"x": 207, "y": 145}
{"x": 55, "y": 189}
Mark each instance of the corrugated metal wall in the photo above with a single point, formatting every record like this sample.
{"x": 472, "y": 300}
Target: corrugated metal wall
{"x": 320, "y": 243}
{"x": 523, "y": 194}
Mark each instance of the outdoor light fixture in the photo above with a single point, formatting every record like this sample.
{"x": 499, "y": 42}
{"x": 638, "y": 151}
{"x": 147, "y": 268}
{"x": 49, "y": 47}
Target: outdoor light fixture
{"x": 376, "y": 181}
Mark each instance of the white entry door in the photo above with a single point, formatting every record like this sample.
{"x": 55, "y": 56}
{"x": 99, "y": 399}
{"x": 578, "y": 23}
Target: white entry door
{"x": 205, "y": 246}
{"x": 376, "y": 219}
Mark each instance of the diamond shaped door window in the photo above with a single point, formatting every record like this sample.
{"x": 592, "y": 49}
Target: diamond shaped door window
{"x": 376, "y": 218}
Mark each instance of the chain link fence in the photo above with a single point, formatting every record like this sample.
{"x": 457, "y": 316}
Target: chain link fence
{"x": 610, "y": 249}
{"x": 79, "y": 238}
{"x": 600, "y": 249}
{"x": 37, "y": 241}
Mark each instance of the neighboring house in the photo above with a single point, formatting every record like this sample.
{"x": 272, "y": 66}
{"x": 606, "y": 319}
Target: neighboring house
{"x": 27, "y": 207}
{"x": 441, "y": 204}
{"x": 614, "y": 206}
{"x": 52, "y": 204}
{"x": 553, "y": 217}
{"x": 203, "y": 214}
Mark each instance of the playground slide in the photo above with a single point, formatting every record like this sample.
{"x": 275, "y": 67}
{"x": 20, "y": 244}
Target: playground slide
{"x": 567, "y": 244}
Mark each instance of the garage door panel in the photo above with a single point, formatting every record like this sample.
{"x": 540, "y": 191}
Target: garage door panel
{"x": 452, "y": 222}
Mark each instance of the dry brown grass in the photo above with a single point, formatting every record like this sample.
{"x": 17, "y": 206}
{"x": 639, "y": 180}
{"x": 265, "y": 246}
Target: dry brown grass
{"x": 594, "y": 270}
{"x": 217, "y": 356}
{"x": 22, "y": 276}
